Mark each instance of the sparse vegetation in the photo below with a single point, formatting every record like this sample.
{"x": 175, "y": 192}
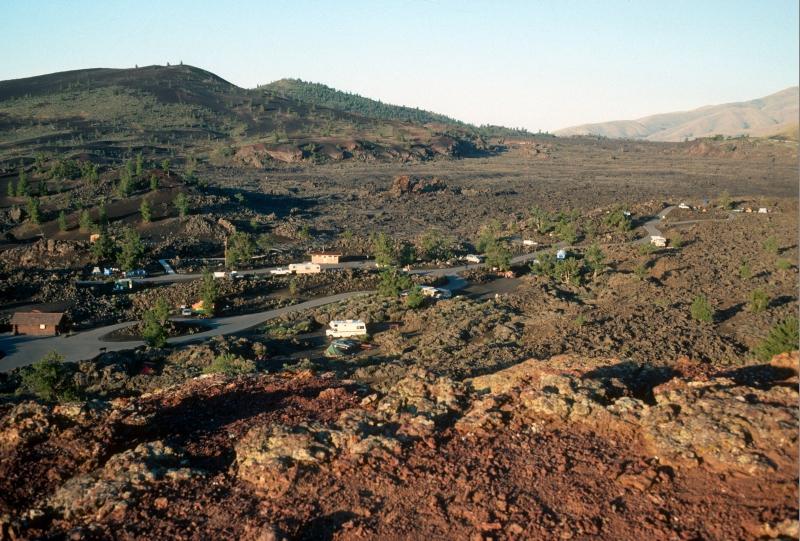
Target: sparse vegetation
{"x": 782, "y": 338}
{"x": 230, "y": 365}
{"x": 759, "y": 301}
{"x": 702, "y": 310}
{"x": 49, "y": 379}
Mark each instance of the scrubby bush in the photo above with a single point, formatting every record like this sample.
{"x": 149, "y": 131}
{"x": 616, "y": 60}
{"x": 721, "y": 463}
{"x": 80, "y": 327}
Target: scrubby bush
{"x": 49, "y": 379}
{"x": 498, "y": 255}
{"x": 415, "y": 298}
{"x": 230, "y": 365}
{"x": 702, "y": 310}
{"x": 618, "y": 220}
{"x": 782, "y": 338}
{"x": 745, "y": 272}
{"x": 771, "y": 246}
{"x": 759, "y": 301}
{"x": 595, "y": 259}
{"x": 783, "y": 264}
{"x": 239, "y": 249}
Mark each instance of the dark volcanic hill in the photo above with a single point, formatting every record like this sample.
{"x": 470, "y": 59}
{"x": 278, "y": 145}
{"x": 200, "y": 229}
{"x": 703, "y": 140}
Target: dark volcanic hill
{"x": 187, "y": 110}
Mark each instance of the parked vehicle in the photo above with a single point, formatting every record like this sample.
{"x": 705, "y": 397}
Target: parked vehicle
{"x": 473, "y": 258}
{"x": 344, "y": 328}
{"x": 561, "y": 254}
{"x": 280, "y": 271}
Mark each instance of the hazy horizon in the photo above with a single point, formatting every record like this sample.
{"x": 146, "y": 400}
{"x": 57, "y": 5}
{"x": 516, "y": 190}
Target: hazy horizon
{"x": 599, "y": 62}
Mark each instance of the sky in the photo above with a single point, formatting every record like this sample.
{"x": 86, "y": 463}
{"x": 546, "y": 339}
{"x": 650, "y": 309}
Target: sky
{"x": 537, "y": 64}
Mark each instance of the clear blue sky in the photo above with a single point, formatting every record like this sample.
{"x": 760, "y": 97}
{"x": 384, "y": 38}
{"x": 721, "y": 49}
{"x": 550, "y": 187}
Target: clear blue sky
{"x": 538, "y": 64}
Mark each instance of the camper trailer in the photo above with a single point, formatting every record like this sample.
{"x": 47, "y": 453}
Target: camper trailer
{"x": 435, "y": 292}
{"x": 345, "y": 328}
{"x": 658, "y": 241}
{"x": 305, "y": 268}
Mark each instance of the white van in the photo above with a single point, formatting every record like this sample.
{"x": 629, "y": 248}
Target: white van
{"x": 344, "y": 328}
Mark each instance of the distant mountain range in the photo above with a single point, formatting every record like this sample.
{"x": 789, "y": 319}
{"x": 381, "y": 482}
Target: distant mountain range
{"x": 773, "y": 115}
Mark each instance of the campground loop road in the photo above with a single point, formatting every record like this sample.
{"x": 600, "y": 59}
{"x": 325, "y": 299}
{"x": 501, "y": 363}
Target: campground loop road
{"x": 25, "y": 350}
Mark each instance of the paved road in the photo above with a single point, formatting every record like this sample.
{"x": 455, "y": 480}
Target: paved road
{"x": 651, "y": 227}
{"x": 24, "y": 350}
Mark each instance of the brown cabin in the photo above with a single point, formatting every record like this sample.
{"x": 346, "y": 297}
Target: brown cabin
{"x": 38, "y": 323}
{"x": 326, "y": 258}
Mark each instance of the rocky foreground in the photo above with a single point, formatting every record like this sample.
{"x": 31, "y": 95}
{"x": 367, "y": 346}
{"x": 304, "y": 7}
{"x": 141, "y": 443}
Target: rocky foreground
{"x": 568, "y": 448}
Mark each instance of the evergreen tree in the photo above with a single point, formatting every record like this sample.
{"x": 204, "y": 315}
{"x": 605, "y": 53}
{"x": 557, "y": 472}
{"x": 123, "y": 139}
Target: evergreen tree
{"x": 208, "y": 292}
{"x": 62, "y": 221}
{"x": 131, "y": 251}
{"x": 595, "y": 259}
{"x": 181, "y": 204}
{"x": 85, "y": 222}
{"x": 239, "y": 249}
{"x": 139, "y": 165}
{"x": 104, "y": 247}
{"x": 153, "y": 182}
{"x": 22, "y": 184}
{"x": 146, "y": 211}
{"x": 34, "y": 214}
{"x": 153, "y": 330}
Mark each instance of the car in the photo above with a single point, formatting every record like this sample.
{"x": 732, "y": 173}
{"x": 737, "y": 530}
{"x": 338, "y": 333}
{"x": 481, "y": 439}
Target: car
{"x": 186, "y": 312}
{"x": 280, "y": 271}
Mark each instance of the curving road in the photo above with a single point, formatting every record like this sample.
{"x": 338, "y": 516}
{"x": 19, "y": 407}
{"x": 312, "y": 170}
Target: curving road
{"x": 25, "y": 350}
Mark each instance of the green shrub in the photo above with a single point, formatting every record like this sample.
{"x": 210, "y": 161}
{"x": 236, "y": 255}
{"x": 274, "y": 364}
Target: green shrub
{"x": 702, "y": 310}
{"x": 759, "y": 301}
{"x": 230, "y": 365}
{"x": 49, "y": 379}
{"x": 745, "y": 272}
{"x": 771, "y": 246}
{"x": 415, "y": 298}
{"x": 782, "y": 338}
{"x": 783, "y": 264}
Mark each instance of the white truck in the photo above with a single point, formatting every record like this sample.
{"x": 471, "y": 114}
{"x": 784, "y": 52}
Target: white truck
{"x": 280, "y": 271}
{"x": 345, "y": 328}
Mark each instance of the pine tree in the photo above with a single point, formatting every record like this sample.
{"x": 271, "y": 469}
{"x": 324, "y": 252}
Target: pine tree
{"x": 22, "y": 184}
{"x": 146, "y": 211}
{"x": 34, "y": 214}
{"x": 181, "y": 204}
{"x": 131, "y": 250}
{"x": 62, "y": 221}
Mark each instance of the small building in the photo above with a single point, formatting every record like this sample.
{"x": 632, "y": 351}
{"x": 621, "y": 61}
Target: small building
{"x": 38, "y": 323}
{"x": 345, "y": 328}
{"x": 659, "y": 241}
{"x": 305, "y": 268}
{"x": 326, "y": 258}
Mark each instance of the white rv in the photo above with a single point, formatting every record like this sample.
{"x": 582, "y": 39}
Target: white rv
{"x": 305, "y": 268}
{"x": 344, "y": 328}
{"x": 658, "y": 241}
{"x": 435, "y": 292}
